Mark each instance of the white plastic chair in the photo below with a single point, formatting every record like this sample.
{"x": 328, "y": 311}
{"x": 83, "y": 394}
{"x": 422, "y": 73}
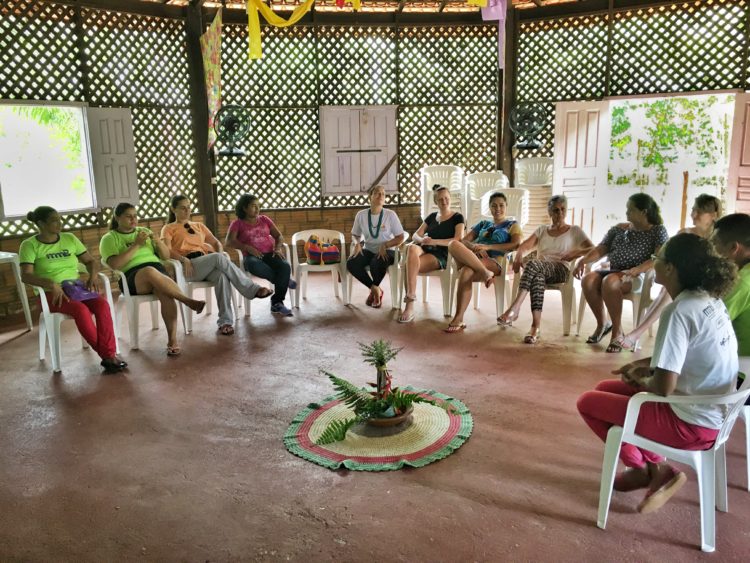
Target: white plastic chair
{"x": 640, "y": 299}
{"x": 245, "y": 300}
{"x": 567, "y": 292}
{"x": 477, "y": 185}
{"x": 49, "y": 329}
{"x": 534, "y": 172}
{"x": 709, "y": 465}
{"x": 189, "y": 287}
{"x": 446, "y": 282}
{"x": 132, "y": 307}
{"x": 745, "y": 412}
{"x": 394, "y": 274}
{"x": 301, "y": 269}
{"x": 452, "y": 177}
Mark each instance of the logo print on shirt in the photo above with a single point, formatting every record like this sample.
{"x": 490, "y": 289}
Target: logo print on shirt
{"x": 63, "y": 254}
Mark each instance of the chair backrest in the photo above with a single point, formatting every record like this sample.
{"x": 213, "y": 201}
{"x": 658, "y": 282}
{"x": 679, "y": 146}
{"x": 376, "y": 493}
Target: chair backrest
{"x": 736, "y": 401}
{"x": 518, "y": 204}
{"x": 477, "y": 185}
{"x": 535, "y": 171}
{"x": 325, "y": 234}
{"x": 452, "y": 177}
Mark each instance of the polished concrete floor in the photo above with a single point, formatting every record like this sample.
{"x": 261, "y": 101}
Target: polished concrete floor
{"x": 182, "y": 458}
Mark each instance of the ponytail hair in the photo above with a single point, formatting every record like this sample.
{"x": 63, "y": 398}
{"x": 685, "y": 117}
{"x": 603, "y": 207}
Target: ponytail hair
{"x": 117, "y": 211}
{"x": 173, "y": 203}
{"x": 41, "y": 214}
{"x": 698, "y": 265}
{"x": 646, "y": 203}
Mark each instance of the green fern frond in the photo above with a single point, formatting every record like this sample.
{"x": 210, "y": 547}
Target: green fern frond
{"x": 336, "y": 431}
{"x": 379, "y": 352}
{"x": 355, "y": 398}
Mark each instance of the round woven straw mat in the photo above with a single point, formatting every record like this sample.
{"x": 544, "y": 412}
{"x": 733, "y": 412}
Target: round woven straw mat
{"x": 430, "y": 434}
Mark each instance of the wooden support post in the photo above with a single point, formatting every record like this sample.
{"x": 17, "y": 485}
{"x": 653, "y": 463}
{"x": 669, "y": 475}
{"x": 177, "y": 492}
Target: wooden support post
{"x": 505, "y": 155}
{"x": 206, "y": 189}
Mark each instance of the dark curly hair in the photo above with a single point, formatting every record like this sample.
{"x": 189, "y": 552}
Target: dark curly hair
{"x": 242, "y": 203}
{"x": 698, "y": 265}
{"x": 646, "y": 203}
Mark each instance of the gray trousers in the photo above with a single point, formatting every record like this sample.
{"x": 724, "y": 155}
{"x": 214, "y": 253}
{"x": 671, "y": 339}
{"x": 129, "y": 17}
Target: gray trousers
{"x": 219, "y": 269}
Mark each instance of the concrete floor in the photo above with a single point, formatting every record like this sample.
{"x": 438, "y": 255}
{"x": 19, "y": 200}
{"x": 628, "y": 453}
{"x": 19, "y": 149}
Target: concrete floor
{"x": 182, "y": 458}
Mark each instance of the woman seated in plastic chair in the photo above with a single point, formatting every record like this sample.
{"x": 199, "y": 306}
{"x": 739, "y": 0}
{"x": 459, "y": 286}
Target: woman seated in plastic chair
{"x": 261, "y": 245}
{"x": 430, "y": 249}
{"x": 137, "y": 253}
{"x": 706, "y": 211}
{"x": 478, "y": 252}
{"x": 50, "y": 260}
{"x": 556, "y": 246}
{"x": 203, "y": 259}
{"x": 629, "y": 247}
{"x": 695, "y": 354}
{"x": 375, "y": 232}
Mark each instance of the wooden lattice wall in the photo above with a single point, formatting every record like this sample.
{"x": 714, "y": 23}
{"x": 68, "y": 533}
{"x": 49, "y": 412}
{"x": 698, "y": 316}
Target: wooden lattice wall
{"x": 682, "y": 47}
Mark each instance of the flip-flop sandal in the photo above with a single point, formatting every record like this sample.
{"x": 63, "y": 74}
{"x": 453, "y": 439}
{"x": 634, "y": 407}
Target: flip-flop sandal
{"x": 658, "y": 498}
{"x": 174, "y": 350}
{"x": 613, "y": 348}
{"x": 625, "y": 342}
{"x": 379, "y": 303}
{"x": 452, "y": 329}
{"x": 596, "y": 338}
{"x": 226, "y": 330}
{"x": 508, "y": 320}
{"x": 408, "y": 319}
{"x": 532, "y": 338}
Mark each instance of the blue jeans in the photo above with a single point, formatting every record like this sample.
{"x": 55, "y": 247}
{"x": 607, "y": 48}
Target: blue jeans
{"x": 273, "y": 268}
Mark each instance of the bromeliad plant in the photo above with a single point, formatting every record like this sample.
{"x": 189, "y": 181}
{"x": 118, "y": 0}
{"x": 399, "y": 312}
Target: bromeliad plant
{"x": 384, "y": 402}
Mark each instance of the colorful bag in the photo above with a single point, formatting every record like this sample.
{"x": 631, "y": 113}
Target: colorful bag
{"x": 319, "y": 252}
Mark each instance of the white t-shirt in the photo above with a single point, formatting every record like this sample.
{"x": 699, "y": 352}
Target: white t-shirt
{"x": 390, "y": 228}
{"x": 697, "y": 341}
{"x": 552, "y": 248}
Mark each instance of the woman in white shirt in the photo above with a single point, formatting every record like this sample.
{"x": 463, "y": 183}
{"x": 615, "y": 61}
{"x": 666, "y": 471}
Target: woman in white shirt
{"x": 375, "y": 232}
{"x": 556, "y": 246}
{"x": 695, "y": 354}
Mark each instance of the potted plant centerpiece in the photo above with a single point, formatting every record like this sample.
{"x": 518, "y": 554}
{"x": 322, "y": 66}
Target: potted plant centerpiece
{"x": 384, "y": 406}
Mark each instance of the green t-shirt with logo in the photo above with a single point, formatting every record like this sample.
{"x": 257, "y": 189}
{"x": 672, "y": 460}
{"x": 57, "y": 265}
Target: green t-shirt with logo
{"x": 738, "y": 306}
{"x": 57, "y": 261}
{"x": 114, "y": 243}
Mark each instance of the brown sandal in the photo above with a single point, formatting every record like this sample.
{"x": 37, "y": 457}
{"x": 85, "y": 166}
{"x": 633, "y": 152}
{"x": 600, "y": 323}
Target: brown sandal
{"x": 226, "y": 330}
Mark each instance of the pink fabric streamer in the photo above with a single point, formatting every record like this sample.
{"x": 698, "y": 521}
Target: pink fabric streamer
{"x": 496, "y": 10}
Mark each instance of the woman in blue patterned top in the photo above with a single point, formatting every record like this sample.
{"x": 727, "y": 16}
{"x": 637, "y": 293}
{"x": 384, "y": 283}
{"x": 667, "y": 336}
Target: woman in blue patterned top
{"x": 629, "y": 247}
{"x": 477, "y": 254}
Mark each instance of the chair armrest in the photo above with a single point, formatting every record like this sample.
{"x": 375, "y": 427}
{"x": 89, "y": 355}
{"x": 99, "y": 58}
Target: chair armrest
{"x": 42, "y": 298}
{"x": 179, "y": 273}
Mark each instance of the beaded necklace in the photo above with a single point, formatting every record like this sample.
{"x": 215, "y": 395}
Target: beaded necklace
{"x": 375, "y": 234}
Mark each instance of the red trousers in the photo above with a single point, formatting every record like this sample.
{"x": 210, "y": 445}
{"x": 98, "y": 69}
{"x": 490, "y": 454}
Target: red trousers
{"x": 606, "y": 406}
{"x": 100, "y": 336}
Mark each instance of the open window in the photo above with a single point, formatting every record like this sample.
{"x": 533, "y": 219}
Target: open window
{"x": 65, "y": 155}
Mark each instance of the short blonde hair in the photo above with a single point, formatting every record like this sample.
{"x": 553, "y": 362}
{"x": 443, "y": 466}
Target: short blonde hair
{"x": 373, "y": 188}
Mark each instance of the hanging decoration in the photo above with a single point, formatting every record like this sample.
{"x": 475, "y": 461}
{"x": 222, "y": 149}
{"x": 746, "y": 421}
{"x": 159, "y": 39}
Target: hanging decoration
{"x": 480, "y": 3}
{"x": 211, "y": 52}
{"x": 253, "y": 21}
{"x": 496, "y": 10}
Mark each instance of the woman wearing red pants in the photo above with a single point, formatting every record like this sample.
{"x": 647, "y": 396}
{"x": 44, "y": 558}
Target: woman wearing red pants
{"x": 50, "y": 260}
{"x": 695, "y": 354}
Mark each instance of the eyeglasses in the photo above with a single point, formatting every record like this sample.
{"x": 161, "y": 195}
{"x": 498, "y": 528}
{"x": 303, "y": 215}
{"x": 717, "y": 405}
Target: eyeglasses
{"x": 189, "y": 228}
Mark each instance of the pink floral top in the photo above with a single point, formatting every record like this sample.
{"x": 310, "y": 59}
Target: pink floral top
{"x": 257, "y": 235}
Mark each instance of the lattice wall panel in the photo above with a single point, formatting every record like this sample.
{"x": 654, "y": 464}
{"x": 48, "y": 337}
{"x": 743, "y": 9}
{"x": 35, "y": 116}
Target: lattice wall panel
{"x": 461, "y": 135}
{"x": 283, "y": 77}
{"x": 165, "y": 156}
{"x": 680, "y": 47}
{"x": 282, "y": 166}
{"x": 135, "y": 60}
{"x": 357, "y": 65}
{"x": 564, "y": 59}
{"x": 451, "y": 65}
{"x": 38, "y": 54}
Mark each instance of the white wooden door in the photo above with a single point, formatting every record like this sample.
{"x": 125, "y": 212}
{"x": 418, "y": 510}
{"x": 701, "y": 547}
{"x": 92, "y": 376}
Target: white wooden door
{"x": 112, "y": 156}
{"x": 738, "y": 186}
{"x": 582, "y": 135}
{"x": 377, "y": 134}
{"x": 339, "y": 140}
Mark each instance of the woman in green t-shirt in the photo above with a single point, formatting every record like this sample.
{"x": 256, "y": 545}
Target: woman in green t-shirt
{"x": 137, "y": 253}
{"x": 50, "y": 260}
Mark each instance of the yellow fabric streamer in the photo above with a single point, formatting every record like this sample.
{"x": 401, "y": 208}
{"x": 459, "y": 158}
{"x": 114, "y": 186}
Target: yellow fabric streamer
{"x": 480, "y": 3}
{"x": 253, "y": 22}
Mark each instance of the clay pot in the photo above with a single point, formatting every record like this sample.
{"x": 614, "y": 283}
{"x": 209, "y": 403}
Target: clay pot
{"x": 391, "y": 421}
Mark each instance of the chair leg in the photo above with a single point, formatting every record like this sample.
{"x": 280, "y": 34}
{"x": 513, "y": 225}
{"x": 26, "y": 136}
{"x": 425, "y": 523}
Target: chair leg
{"x": 344, "y": 289}
{"x": 393, "y": 274}
{"x": 247, "y": 306}
{"x": 705, "y": 471}
{"x": 609, "y": 465}
{"x": 335, "y": 279}
{"x": 349, "y": 278}
{"x": 581, "y": 310}
{"x": 209, "y": 301}
{"x": 445, "y": 287}
{"x": 43, "y": 343}
{"x": 475, "y": 293}
{"x": 425, "y": 289}
{"x": 154, "y": 315}
{"x": 188, "y": 315}
{"x": 567, "y": 305}
{"x": 55, "y": 346}
{"x": 132, "y": 312}
{"x": 304, "y": 285}
{"x": 501, "y": 290}
{"x": 746, "y": 416}
{"x": 722, "y": 501}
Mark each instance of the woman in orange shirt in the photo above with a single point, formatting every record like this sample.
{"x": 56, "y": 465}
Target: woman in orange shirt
{"x": 203, "y": 259}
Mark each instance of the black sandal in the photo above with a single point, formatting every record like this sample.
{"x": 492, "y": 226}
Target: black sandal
{"x": 596, "y": 338}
